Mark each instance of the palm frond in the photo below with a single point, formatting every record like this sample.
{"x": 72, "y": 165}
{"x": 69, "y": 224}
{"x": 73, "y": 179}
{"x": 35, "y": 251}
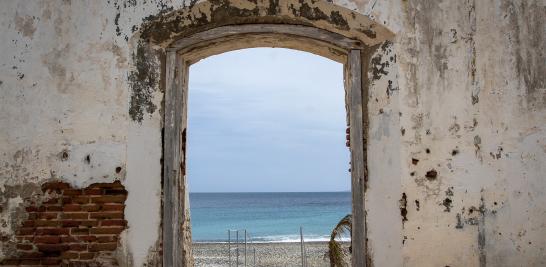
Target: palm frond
{"x": 335, "y": 251}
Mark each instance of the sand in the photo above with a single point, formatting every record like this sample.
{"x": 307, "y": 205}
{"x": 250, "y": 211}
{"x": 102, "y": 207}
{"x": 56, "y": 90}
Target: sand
{"x": 267, "y": 254}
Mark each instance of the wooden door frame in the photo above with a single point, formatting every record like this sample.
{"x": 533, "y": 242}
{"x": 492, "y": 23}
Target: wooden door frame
{"x": 184, "y": 52}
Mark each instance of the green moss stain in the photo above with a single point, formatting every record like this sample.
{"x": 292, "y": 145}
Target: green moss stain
{"x": 144, "y": 81}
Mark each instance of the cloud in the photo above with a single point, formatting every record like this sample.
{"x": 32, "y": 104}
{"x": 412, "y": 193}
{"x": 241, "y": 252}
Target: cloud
{"x": 274, "y": 113}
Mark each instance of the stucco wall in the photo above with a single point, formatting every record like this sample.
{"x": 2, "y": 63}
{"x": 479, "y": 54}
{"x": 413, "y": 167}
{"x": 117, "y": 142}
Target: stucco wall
{"x": 463, "y": 80}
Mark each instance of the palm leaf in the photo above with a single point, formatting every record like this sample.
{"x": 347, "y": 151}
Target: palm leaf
{"x": 335, "y": 251}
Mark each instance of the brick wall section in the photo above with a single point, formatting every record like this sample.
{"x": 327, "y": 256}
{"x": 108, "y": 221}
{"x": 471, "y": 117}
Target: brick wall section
{"x": 76, "y": 227}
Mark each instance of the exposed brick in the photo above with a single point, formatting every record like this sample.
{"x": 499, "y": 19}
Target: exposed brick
{"x": 95, "y": 247}
{"x": 115, "y": 192}
{"x": 47, "y": 215}
{"x": 72, "y": 192}
{"x": 109, "y": 199}
{"x": 80, "y": 199}
{"x": 72, "y": 228}
{"x": 30, "y": 255}
{"x": 93, "y": 191}
{"x": 70, "y": 255}
{"x": 106, "y": 215}
{"x": 90, "y": 207}
{"x": 106, "y": 230}
{"x": 71, "y": 207}
{"x": 25, "y": 247}
{"x": 29, "y": 262}
{"x": 113, "y": 207}
{"x": 117, "y": 222}
{"x": 54, "y": 208}
{"x": 26, "y": 231}
{"x": 47, "y": 223}
{"x": 52, "y": 231}
{"x": 55, "y": 186}
{"x": 87, "y": 255}
{"x": 47, "y": 239}
{"x": 89, "y": 223}
{"x": 52, "y": 201}
{"x": 87, "y": 238}
{"x": 79, "y": 231}
{"x": 78, "y": 247}
{"x": 52, "y": 247}
{"x": 10, "y": 262}
{"x": 75, "y": 215}
{"x": 116, "y": 184}
{"x": 70, "y": 223}
{"x": 51, "y": 261}
{"x": 106, "y": 238}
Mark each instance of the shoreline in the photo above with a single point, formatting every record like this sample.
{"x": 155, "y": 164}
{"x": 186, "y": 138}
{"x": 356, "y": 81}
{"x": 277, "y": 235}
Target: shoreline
{"x": 267, "y": 254}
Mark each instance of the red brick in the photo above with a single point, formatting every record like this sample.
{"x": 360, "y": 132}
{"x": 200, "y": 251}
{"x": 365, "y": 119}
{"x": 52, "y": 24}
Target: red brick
{"x": 25, "y": 231}
{"x": 106, "y": 230}
{"x": 52, "y": 201}
{"x": 102, "y": 247}
{"x": 69, "y": 239}
{"x": 71, "y": 207}
{"x": 47, "y": 239}
{"x": 87, "y": 255}
{"x": 116, "y": 184}
{"x": 78, "y": 247}
{"x": 115, "y": 192}
{"x": 113, "y": 223}
{"x": 52, "y": 231}
{"x": 51, "y": 261}
{"x": 70, "y": 255}
{"x": 25, "y": 247}
{"x": 30, "y": 255}
{"x": 106, "y": 238}
{"x": 30, "y": 262}
{"x": 93, "y": 191}
{"x": 47, "y": 223}
{"x": 113, "y": 207}
{"x": 54, "y": 208}
{"x": 90, "y": 207}
{"x": 106, "y": 215}
{"x": 70, "y": 223}
{"x": 47, "y": 215}
{"x": 79, "y": 231}
{"x": 28, "y": 223}
{"x": 55, "y": 186}
{"x": 75, "y": 215}
{"x": 72, "y": 192}
{"x": 89, "y": 223}
{"x": 52, "y": 247}
{"x": 109, "y": 199}
{"x": 10, "y": 262}
{"x": 87, "y": 238}
{"x": 80, "y": 199}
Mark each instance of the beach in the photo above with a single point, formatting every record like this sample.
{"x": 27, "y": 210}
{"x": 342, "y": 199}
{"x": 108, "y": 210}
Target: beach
{"x": 267, "y": 254}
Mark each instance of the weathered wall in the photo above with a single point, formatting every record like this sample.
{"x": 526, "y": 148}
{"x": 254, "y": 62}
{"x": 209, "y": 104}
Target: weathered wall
{"x": 457, "y": 137}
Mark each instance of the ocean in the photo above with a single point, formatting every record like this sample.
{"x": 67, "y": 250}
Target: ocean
{"x": 267, "y": 217}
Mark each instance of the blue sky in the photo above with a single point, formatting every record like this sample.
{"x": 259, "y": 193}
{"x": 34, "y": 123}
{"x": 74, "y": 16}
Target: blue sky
{"x": 267, "y": 120}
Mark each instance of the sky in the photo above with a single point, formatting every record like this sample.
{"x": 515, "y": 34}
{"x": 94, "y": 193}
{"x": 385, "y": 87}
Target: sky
{"x": 267, "y": 120}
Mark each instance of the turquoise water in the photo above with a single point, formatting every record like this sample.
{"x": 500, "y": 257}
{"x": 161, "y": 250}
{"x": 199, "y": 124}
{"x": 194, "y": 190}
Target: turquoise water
{"x": 268, "y": 217}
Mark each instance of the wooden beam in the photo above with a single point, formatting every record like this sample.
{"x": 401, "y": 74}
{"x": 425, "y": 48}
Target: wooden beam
{"x": 176, "y": 251}
{"x": 294, "y": 30}
{"x": 354, "y": 83}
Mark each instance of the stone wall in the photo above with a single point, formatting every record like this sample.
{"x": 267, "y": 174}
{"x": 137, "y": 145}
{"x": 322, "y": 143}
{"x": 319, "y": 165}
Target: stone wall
{"x": 457, "y": 115}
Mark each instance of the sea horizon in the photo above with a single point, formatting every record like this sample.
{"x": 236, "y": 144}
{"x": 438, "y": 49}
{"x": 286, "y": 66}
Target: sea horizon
{"x": 268, "y": 217}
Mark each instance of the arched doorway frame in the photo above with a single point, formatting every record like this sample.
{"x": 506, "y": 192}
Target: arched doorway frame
{"x": 184, "y": 52}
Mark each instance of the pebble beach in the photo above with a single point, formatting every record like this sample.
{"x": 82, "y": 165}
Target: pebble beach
{"x": 267, "y": 254}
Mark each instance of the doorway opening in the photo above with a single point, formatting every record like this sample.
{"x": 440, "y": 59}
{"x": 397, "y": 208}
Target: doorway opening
{"x": 189, "y": 50}
{"x": 273, "y": 121}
